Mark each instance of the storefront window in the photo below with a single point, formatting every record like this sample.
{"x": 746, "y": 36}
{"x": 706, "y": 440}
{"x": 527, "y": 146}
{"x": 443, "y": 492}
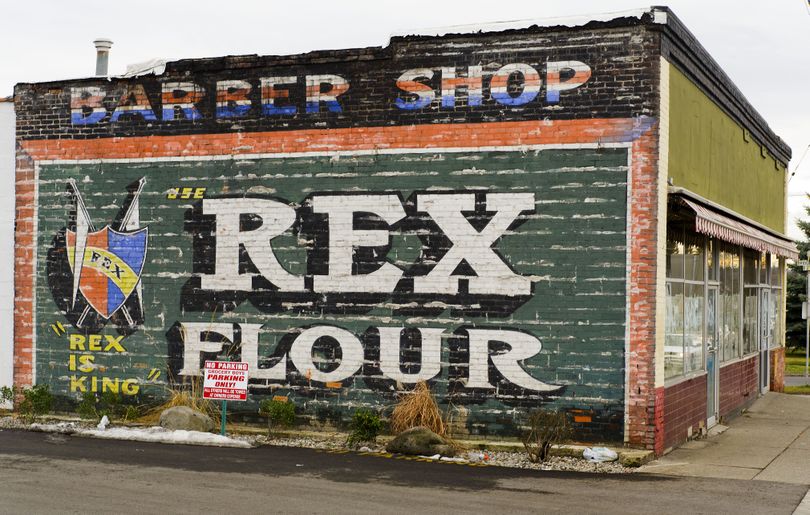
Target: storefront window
{"x": 763, "y": 268}
{"x": 730, "y": 302}
{"x": 686, "y": 291}
{"x": 693, "y": 326}
{"x": 750, "y": 267}
{"x": 673, "y": 350}
{"x": 750, "y": 334}
{"x": 749, "y": 286}
{"x": 676, "y": 248}
{"x": 711, "y": 260}
{"x": 775, "y": 318}
{"x": 777, "y": 265}
{"x": 693, "y": 257}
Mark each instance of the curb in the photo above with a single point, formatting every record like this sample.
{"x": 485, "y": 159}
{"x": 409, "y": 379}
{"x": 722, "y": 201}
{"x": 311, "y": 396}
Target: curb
{"x": 631, "y": 458}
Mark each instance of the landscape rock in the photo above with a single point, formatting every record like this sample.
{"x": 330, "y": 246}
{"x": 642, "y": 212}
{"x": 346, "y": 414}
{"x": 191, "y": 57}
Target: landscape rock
{"x": 185, "y": 418}
{"x": 635, "y": 458}
{"x": 420, "y": 441}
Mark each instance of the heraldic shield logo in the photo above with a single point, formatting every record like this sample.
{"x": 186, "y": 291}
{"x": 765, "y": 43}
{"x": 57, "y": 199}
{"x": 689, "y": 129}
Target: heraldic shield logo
{"x": 95, "y": 274}
{"x": 111, "y": 268}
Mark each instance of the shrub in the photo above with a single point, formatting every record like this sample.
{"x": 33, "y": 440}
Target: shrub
{"x": 36, "y": 401}
{"x": 546, "y": 428}
{"x": 366, "y": 426}
{"x": 131, "y": 413}
{"x": 418, "y": 408}
{"x": 95, "y": 406}
{"x": 278, "y": 413}
{"x": 8, "y": 393}
{"x": 87, "y": 406}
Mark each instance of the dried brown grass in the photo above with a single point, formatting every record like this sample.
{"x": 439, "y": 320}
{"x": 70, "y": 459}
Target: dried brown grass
{"x": 190, "y": 395}
{"x": 418, "y": 408}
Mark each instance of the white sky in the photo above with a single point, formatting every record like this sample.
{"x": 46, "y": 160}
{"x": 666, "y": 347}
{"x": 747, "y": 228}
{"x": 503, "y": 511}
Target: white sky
{"x": 764, "y": 46}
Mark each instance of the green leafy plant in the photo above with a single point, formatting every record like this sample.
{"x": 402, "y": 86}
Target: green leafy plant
{"x": 87, "y": 406}
{"x": 8, "y": 393}
{"x": 278, "y": 413}
{"x": 36, "y": 402}
{"x": 95, "y": 406}
{"x": 131, "y": 413}
{"x": 545, "y": 428}
{"x": 110, "y": 404}
{"x": 366, "y": 426}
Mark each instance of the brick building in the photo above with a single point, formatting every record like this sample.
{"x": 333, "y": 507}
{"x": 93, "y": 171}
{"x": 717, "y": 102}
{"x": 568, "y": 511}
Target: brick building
{"x": 586, "y": 217}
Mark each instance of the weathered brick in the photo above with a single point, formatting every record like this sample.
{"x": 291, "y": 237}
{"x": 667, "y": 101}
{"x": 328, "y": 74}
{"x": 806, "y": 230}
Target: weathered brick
{"x": 588, "y": 161}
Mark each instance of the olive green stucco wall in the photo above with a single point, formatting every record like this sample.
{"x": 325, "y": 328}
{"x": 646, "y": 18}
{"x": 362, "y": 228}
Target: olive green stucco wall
{"x": 709, "y": 155}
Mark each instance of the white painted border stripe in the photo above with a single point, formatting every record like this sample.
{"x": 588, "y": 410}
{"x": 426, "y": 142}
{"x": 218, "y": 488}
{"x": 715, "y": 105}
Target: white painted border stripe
{"x": 627, "y": 294}
{"x": 34, "y": 279}
{"x": 280, "y": 155}
{"x": 332, "y": 153}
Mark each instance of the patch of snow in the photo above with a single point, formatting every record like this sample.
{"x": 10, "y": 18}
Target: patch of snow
{"x": 65, "y": 428}
{"x": 161, "y": 435}
{"x": 152, "y": 66}
{"x": 659, "y": 17}
{"x": 148, "y": 434}
{"x": 103, "y": 423}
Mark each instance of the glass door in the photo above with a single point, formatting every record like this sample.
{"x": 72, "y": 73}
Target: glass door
{"x": 764, "y": 339}
{"x": 711, "y": 356}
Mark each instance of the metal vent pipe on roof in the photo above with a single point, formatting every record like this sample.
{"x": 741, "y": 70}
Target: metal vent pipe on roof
{"x": 102, "y": 56}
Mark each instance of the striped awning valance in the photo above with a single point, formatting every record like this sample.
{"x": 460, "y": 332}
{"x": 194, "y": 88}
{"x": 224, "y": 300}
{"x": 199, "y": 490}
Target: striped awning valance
{"x": 713, "y": 223}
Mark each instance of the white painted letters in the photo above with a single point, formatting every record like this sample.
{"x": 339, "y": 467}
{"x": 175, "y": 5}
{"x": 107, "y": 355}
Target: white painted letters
{"x": 343, "y": 238}
{"x": 431, "y": 354}
{"x": 350, "y": 362}
{"x": 276, "y": 218}
{"x": 250, "y": 355}
{"x": 522, "y": 346}
{"x": 193, "y": 344}
{"x": 493, "y": 275}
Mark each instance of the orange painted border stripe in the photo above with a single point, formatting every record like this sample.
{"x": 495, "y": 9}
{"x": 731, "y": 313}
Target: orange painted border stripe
{"x": 469, "y": 135}
{"x": 644, "y": 419}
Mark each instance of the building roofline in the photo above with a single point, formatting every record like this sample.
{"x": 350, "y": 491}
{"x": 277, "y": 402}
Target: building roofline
{"x": 683, "y": 50}
{"x": 568, "y": 22}
{"x": 678, "y": 45}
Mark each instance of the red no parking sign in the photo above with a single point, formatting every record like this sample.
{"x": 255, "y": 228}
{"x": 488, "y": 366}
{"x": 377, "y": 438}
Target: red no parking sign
{"x": 225, "y": 380}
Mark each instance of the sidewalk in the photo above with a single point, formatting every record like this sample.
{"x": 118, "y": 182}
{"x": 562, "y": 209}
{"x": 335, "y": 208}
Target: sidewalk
{"x": 796, "y": 380}
{"x": 770, "y": 442}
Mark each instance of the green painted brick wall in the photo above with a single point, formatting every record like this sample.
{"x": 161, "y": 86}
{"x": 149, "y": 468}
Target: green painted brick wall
{"x": 573, "y": 247}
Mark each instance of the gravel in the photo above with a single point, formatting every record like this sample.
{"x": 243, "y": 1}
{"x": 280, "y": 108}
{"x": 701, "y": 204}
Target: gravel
{"x": 12, "y": 423}
{"x": 563, "y": 463}
{"x": 338, "y": 442}
{"x": 494, "y": 458}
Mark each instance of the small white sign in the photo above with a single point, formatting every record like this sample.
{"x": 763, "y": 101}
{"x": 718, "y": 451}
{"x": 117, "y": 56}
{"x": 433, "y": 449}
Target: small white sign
{"x": 225, "y": 380}
{"x": 804, "y": 310}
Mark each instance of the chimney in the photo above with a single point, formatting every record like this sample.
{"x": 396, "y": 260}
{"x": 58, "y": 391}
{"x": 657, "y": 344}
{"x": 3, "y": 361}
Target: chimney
{"x": 102, "y": 56}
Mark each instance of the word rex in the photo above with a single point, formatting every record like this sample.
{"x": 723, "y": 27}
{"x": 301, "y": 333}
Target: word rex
{"x": 226, "y": 381}
{"x": 358, "y": 230}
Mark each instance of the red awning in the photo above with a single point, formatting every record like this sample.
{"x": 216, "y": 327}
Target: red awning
{"x": 713, "y": 223}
